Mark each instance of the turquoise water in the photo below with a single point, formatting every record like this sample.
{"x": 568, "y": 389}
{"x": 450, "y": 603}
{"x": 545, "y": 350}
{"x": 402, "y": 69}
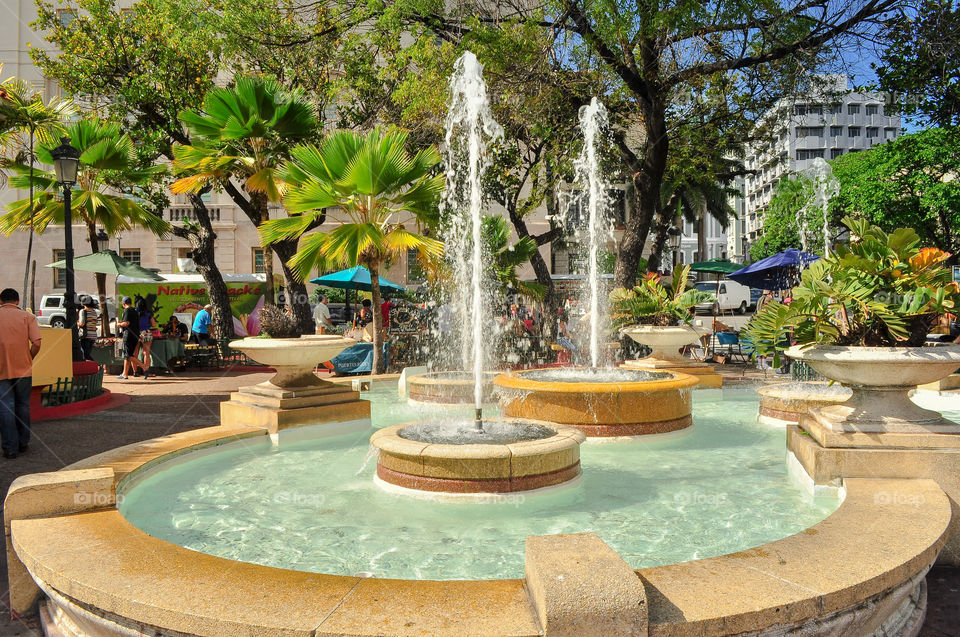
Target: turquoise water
{"x": 312, "y": 505}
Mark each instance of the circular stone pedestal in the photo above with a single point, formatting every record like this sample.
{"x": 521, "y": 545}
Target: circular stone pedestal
{"x": 448, "y": 388}
{"x": 602, "y": 402}
{"x": 784, "y": 403}
{"x": 510, "y": 456}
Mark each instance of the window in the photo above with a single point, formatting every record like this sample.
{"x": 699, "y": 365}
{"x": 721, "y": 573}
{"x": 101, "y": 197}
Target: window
{"x": 52, "y": 301}
{"x": 259, "y": 266}
{"x": 889, "y": 133}
{"x": 66, "y": 16}
{"x": 853, "y": 109}
{"x": 811, "y": 153}
{"x": 836, "y": 131}
{"x": 872, "y": 132}
{"x": 809, "y": 131}
{"x": 59, "y": 274}
{"x": 835, "y": 152}
{"x": 836, "y": 109}
{"x": 853, "y": 131}
{"x": 415, "y": 270}
{"x": 131, "y": 254}
{"x": 799, "y": 109}
{"x": 872, "y": 109}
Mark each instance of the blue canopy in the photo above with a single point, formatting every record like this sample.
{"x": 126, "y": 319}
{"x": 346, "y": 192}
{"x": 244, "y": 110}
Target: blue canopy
{"x": 780, "y": 271}
{"x": 355, "y": 278}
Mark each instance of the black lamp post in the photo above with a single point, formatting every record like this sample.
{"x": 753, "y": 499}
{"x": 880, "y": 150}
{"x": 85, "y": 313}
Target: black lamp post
{"x": 66, "y": 162}
{"x": 674, "y": 237}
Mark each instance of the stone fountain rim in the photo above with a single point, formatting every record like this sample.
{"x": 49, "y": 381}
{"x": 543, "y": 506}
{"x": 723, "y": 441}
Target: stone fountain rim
{"x": 686, "y": 327}
{"x": 515, "y": 380}
{"x": 388, "y": 439}
{"x": 317, "y": 340}
{"x": 485, "y": 605}
{"x": 430, "y": 378}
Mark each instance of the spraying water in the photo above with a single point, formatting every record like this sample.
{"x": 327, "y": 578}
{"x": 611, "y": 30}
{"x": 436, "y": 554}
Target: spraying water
{"x": 825, "y": 186}
{"x": 469, "y": 128}
{"x": 594, "y": 193}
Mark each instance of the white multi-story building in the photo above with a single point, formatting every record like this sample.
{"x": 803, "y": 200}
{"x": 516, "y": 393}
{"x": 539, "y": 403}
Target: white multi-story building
{"x": 829, "y": 122}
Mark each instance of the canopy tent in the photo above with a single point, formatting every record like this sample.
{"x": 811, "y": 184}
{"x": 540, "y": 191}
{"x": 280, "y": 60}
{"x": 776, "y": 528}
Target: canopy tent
{"x": 108, "y": 262}
{"x": 780, "y": 271}
{"x": 719, "y": 266}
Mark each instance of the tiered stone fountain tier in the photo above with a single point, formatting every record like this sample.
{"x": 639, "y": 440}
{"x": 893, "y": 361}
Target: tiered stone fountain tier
{"x": 782, "y": 403}
{"x": 666, "y": 342}
{"x": 450, "y": 388}
{"x": 295, "y": 396}
{"x": 506, "y": 456}
{"x": 601, "y": 402}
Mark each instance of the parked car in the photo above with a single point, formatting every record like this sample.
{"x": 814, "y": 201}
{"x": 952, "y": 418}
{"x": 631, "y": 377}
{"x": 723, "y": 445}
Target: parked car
{"x": 731, "y": 296}
{"x": 52, "y": 310}
{"x": 755, "y": 294}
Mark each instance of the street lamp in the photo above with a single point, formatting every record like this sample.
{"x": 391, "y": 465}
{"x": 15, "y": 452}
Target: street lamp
{"x": 674, "y": 237}
{"x": 66, "y": 162}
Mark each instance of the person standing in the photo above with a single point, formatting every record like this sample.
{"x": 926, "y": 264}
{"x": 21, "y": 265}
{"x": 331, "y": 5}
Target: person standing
{"x": 19, "y": 344}
{"x": 200, "y": 333}
{"x": 321, "y": 316}
{"x": 147, "y": 325}
{"x": 87, "y": 323}
{"x": 130, "y": 322}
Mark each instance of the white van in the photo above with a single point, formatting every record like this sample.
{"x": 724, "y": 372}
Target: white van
{"x": 731, "y": 296}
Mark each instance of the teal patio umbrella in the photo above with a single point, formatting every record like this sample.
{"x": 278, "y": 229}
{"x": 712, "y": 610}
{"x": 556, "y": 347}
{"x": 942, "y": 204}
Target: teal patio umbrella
{"x": 355, "y": 278}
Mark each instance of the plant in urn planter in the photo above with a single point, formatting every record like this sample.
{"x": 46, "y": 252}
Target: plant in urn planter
{"x": 659, "y": 316}
{"x": 861, "y": 317}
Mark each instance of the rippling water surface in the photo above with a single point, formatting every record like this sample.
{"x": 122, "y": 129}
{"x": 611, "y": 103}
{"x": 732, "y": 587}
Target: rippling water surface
{"x": 313, "y": 505}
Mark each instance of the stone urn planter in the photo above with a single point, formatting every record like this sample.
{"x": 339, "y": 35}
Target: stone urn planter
{"x": 881, "y": 379}
{"x": 666, "y": 341}
{"x": 293, "y": 358}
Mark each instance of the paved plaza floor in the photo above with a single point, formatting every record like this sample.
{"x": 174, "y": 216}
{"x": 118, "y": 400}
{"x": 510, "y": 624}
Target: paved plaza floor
{"x": 191, "y": 400}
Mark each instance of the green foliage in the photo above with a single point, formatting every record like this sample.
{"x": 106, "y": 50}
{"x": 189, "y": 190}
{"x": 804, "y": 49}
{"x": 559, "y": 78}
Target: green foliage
{"x": 243, "y": 132}
{"x": 506, "y": 258}
{"x": 23, "y": 110}
{"x": 652, "y": 303}
{"x": 107, "y": 166}
{"x": 911, "y": 182}
{"x": 920, "y": 66}
{"x": 789, "y": 208}
{"x": 882, "y": 290}
{"x": 277, "y": 323}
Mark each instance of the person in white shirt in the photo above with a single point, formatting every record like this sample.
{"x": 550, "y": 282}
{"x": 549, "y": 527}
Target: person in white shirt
{"x": 321, "y": 316}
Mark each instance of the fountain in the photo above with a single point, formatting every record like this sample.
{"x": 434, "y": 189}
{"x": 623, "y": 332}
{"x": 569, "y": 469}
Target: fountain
{"x": 479, "y": 456}
{"x": 785, "y": 403}
{"x": 600, "y": 402}
{"x": 825, "y": 186}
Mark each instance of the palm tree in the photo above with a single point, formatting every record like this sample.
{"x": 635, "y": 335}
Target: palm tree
{"x": 107, "y": 167}
{"x": 245, "y": 133}
{"x": 376, "y": 188}
{"x": 506, "y": 258}
{"x": 24, "y": 113}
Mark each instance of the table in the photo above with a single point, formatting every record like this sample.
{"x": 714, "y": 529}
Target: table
{"x": 163, "y": 349}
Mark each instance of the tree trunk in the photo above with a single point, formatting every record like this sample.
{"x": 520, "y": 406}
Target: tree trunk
{"x": 26, "y": 266}
{"x": 702, "y": 232}
{"x": 655, "y": 262}
{"x": 202, "y": 243}
{"x": 296, "y": 294}
{"x": 647, "y": 180}
{"x": 262, "y": 205}
{"x": 374, "y": 267}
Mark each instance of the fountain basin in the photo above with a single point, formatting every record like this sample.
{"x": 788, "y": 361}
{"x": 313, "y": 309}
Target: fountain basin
{"x": 293, "y": 358}
{"x": 666, "y": 341}
{"x": 448, "y": 388}
{"x": 880, "y": 379}
{"x": 783, "y": 403}
{"x": 538, "y": 455}
{"x": 600, "y": 403}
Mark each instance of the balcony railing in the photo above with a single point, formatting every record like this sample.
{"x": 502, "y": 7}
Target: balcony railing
{"x": 186, "y": 213}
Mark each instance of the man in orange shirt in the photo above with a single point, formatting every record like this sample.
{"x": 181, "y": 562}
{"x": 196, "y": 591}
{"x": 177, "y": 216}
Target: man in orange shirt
{"x": 19, "y": 343}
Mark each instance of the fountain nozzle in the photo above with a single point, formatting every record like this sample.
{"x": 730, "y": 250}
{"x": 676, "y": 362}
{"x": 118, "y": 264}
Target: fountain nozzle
{"x": 478, "y": 419}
